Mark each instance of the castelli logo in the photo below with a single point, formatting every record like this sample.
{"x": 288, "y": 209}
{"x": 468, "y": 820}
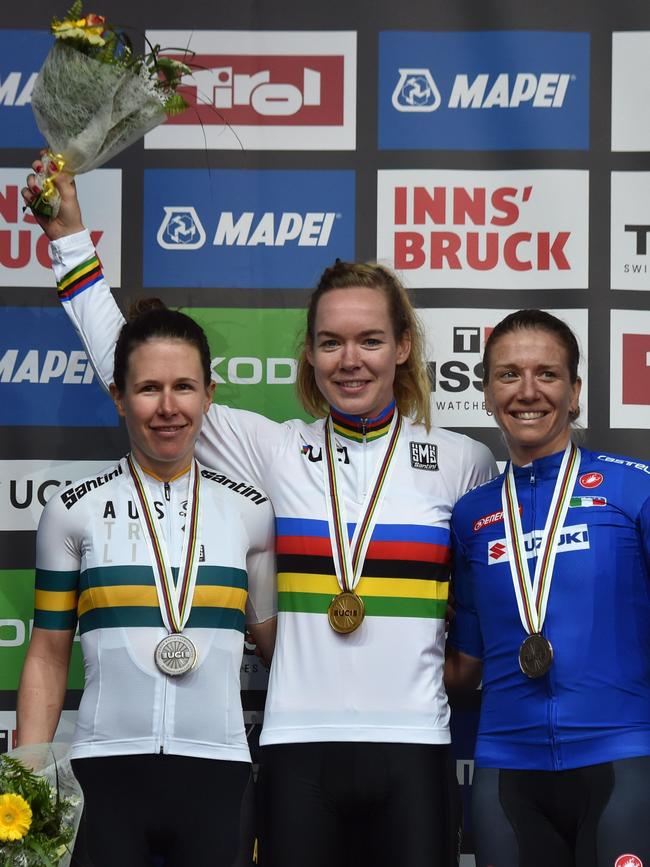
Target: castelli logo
{"x": 628, "y": 861}
{"x": 592, "y": 480}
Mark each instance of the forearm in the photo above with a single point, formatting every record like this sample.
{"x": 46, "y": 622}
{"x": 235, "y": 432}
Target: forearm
{"x": 263, "y": 635}
{"x": 40, "y": 698}
{"x": 462, "y": 672}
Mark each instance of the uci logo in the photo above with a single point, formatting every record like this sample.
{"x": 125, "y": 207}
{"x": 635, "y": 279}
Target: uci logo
{"x": 416, "y": 91}
{"x": 181, "y": 229}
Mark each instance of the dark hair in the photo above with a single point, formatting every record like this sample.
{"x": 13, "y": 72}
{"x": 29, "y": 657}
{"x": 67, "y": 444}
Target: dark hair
{"x": 411, "y": 386}
{"x": 536, "y": 320}
{"x": 149, "y": 318}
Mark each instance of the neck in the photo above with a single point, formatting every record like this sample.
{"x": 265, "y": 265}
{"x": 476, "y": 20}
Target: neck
{"x": 162, "y": 473}
{"x": 360, "y": 427}
{"x": 521, "y": 457}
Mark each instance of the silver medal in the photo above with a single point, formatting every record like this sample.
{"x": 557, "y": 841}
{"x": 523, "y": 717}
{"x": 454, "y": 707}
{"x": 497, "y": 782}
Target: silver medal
{"x": 175, "y": 655}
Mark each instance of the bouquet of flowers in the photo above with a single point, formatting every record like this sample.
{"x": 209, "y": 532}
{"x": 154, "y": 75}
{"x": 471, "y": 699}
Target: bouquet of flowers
{"x": 40, "y": 807}
{"x": 94, "y": 97}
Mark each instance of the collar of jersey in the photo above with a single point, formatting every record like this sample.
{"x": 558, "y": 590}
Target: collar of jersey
{"x": 546, "y": 467}
{"x": 352, "y": 426}
{"x": 153, "y": 475}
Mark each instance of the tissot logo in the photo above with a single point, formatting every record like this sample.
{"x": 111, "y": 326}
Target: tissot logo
{"x": 264, "y": 90}
{"x": 461, "y": 229}
{"x": 252, "y": 229}
{"x": 471, "y": 90}
{"x": 630, "y": 230}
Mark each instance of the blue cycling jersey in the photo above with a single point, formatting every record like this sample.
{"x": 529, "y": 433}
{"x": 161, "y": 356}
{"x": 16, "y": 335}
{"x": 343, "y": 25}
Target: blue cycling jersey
{"x": 594, "y": 703}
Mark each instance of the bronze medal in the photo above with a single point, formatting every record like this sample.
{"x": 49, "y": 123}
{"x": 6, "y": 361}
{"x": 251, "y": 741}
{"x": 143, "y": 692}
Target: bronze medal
{"x": 345, "y": 612}
{"x": 535, "y": 655}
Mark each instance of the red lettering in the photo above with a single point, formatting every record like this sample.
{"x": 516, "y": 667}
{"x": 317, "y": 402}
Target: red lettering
{"x": 400, "y": 206}
{"x": 491, "y": 258}
{"x": 431, "y": 205}
{"x": 408, "y": 250}
{"x": 445, "y": 245}
{"x": 501, "y": 202}
{"x": 470, "y": 205}
{"x": 510, "y": 251}
{"x": 24, "y": 248}
{"x": 546, "y": 251}
{"x": 9, "y": 204}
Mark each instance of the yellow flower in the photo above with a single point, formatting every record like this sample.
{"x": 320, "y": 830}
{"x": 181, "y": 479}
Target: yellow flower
{"x": 15, "y": 817}
{"x": 89, "y": 28}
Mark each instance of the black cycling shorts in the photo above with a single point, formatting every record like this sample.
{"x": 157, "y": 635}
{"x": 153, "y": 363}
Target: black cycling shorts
{"x": 344, "y": 804}
{"x": 190, "y": 812}
{"x": 596, "y": 816}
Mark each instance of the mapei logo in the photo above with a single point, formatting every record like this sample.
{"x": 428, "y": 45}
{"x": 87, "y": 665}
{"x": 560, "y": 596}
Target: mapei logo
{"x": 42, "y": 370}
{"x": 21, "y": 54}
{"x": 246, "y": 228}
{"x": 470, "y": 89}
{"x": 483, "y": 229}
{"x": 416, "y": 91}
{"x": 575, "y": 538}
{"x": 264, "y": 90}
{"x": 181, "y": 229}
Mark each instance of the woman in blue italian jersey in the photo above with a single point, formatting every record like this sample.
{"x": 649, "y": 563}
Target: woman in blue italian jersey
{"x": 160, "y": 564}
{"x": 355, "y": 764}
{"x": 551, "y": 577}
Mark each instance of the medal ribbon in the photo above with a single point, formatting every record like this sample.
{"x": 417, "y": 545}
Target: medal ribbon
{"x": 532, "y": 599}
{"x": 349, "y": 557}
{"x": 175, "y": 599}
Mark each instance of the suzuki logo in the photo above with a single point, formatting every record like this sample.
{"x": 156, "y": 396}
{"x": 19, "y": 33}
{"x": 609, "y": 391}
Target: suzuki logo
{"x": 497, "y": 551}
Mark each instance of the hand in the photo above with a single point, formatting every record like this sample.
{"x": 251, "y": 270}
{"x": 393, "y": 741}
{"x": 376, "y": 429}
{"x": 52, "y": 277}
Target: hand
{"x": 68, "y": 220}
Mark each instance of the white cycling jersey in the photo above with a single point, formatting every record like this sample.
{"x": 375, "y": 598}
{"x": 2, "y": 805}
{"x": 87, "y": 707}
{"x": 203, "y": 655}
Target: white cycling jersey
{"x": 93, "y": 566}
{"x": 383, "y": 682}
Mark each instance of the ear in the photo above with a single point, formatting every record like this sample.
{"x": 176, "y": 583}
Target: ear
{"x": 209, "y": 392}
{"x": 118, "y": 399}
{"x": 577, "y": 388}
{"x": 403, "y": 348}
{"x": 309, "y": 352}
{"x": 489, "y": 406}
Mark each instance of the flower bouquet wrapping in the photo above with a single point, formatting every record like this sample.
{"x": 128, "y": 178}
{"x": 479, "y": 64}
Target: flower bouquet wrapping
{"x": 94, "y": 97}
{"x": 40, "y": 807}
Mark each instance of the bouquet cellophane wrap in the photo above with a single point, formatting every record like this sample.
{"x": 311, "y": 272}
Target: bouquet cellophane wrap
{"x": 90, "y": 111}
{"x": 52, "y": 762}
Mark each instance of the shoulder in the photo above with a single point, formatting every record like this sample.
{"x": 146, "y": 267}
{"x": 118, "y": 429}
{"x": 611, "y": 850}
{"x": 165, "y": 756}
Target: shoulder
{"x": 628, "y": 477}
{"x": 87, "y": 489}
{"x": 241, "y": 494}
{"x": 478, "y": 505}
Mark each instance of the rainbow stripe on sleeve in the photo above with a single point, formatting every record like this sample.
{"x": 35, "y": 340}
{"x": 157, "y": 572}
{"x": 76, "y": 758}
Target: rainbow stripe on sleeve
{"x": 406, "y": 572}
{"x": 80, "y": 278}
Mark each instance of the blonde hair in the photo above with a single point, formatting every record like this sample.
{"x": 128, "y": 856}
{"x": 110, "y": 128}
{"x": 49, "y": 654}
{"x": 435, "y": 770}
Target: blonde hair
{"x": 411, "y": 386}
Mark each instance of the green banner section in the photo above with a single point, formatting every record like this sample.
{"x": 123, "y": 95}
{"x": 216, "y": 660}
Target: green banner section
{"x": 16, "y": 614}
{"x": 254, "y": 357}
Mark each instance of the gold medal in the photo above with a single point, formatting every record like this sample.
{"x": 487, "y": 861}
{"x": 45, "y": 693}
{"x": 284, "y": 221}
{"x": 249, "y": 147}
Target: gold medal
{"x": 535, "y": 655}
{"x": 345, "y": 612}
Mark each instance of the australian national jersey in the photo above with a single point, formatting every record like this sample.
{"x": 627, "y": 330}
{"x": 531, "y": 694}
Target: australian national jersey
{"x": 382, "y": 682}
{"x": 593, "y": 706}
{"x": 93, "y": 566}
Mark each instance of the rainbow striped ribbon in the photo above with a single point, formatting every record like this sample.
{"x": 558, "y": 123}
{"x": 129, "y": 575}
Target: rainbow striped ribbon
{"x": 532, "y": 598}
{"x": 349, "y": 557}
{"x": 174, "y": 598}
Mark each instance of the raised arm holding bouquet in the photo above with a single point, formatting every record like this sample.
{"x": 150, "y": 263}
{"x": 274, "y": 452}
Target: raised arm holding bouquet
{"x": 94, "y": 97}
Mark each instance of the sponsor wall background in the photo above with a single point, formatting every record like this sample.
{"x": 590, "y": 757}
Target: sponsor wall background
{"x": 496, "y": 154}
